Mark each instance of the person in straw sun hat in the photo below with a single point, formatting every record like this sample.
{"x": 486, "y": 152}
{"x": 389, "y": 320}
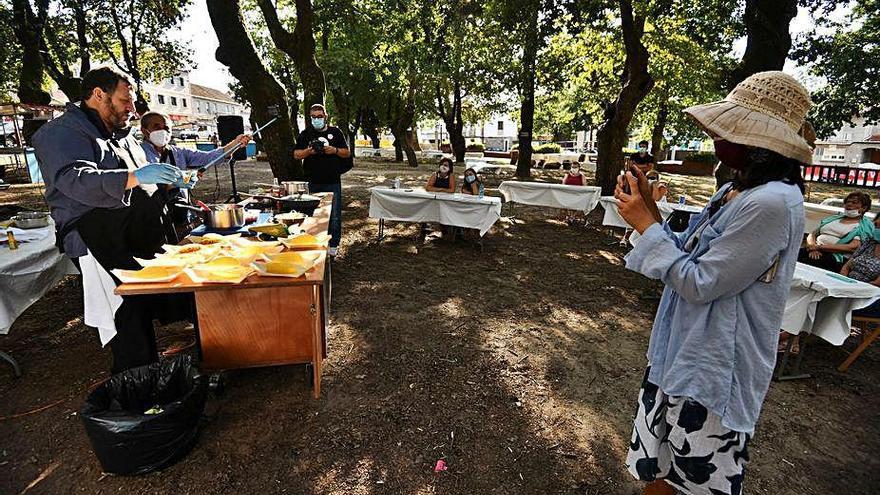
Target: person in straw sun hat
{"x": 714, "y": 340}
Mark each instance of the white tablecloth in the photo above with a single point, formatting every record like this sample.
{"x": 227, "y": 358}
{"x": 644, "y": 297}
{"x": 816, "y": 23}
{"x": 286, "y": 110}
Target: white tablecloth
{"x": 27, "y": 273}
{"x": 814, "y": 213}
{"x": 822, "y": 302}
{"x": 580, "y": 198}
{"x": 612, "y": 217}
{"x": 418, "y": 205}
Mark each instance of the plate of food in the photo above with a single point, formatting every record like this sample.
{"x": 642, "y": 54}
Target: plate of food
{"x": 163, "y": 261}
{"x": 212, "y": 238}
{"x": 208, "y": 274}
{"x": 148, "y": 274}
{"x": 306, "y": 241}
{"x": 291, "y": 264}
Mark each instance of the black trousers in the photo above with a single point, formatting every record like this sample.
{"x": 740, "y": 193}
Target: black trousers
{"x": 114, "y": 237}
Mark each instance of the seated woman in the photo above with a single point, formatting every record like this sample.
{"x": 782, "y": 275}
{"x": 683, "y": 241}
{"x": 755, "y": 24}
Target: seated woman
{"x": 864, "y": 266}
{"x": 471, "y": 183}
{"x": 838, "y": 236}
{"x": 574, "y": 177}
{"x": 442, "y": 180}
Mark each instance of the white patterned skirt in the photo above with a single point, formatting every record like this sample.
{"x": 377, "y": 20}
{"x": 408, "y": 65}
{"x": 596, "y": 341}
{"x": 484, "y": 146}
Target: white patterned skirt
{"x": 678, "y": 440}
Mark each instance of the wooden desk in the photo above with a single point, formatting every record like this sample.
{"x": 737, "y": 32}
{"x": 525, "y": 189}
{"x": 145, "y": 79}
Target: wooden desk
{"x": 263, "y": 321}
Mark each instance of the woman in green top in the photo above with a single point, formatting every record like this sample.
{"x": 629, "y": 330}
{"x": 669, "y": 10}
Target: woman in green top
{"x": 838, "y": 236}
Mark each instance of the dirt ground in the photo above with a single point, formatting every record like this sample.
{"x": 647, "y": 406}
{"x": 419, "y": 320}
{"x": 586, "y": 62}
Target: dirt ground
{"x": 518, "y": 365}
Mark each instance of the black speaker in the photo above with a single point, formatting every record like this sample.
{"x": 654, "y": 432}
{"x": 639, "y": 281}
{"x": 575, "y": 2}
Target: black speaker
{"x": 228, "y": 128}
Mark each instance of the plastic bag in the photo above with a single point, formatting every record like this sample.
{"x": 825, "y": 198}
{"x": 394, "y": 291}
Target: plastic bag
{"x": 146, "y": 418}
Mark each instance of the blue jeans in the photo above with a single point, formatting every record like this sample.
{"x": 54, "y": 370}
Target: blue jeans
{"x": 336, "y": 210}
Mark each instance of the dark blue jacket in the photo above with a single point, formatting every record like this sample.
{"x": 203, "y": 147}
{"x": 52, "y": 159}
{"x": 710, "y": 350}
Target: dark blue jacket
{"x": 82, "y": 171}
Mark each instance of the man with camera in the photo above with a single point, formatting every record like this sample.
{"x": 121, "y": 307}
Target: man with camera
{"x": 326, "y": 156}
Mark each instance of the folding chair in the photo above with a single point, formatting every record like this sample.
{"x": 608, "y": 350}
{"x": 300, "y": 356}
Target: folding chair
{"x": 863, "y": 322}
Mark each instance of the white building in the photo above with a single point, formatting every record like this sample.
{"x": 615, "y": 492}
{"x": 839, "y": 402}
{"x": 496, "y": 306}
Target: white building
{"x": 850, "y": 146}
{"x": 497, "y": 133}
{"x": 191, "y": 106}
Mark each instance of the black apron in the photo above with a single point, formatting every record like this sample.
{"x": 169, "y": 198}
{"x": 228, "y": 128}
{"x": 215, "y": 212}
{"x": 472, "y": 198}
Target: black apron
{"x": 115, "y": 236}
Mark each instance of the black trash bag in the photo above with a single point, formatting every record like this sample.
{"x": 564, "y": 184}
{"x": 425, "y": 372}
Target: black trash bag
{"x": 146, "y": 418}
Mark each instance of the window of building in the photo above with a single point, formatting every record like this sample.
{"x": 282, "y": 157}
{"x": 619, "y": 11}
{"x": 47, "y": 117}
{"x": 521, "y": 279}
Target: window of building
{"x": 183, "y": 102}
{"x": 173, "y": 101}
{"x": 500, "y": 125}
{"x": 181, "y": 82}
{"x": 161, "y": 99}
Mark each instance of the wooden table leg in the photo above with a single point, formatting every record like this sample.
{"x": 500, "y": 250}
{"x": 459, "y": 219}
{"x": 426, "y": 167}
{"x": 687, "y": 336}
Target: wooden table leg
{"x": 855, "y": 354}
{"x": 318, "y": 349}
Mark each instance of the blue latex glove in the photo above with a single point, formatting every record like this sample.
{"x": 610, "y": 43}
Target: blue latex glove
{"x": 157, "y": 173}
{"x": 187, "y": 180}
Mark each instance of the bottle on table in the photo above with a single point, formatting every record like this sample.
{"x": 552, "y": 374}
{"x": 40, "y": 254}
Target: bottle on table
{"x": 482, "y": 191}
{"x": 13, "y": 243}
{"x": 397, "y": 183}
{"x": 681, "y": 199}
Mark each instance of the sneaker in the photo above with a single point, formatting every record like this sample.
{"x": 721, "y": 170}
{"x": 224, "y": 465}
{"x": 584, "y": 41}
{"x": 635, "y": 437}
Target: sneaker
{"x": 332, "y": 251}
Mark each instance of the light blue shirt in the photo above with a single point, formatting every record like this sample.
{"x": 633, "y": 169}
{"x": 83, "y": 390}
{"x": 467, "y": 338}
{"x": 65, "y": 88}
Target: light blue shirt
{"x": 717, "y": 329}
{"x": 184, "y": 158}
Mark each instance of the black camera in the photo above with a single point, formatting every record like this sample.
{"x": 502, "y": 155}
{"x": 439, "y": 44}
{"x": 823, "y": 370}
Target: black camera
{"x": 317, "y": 146}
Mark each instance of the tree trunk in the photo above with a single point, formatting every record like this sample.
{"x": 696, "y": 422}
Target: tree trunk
{"x": 768, "y": 41}
{"x": 370, "y": 125}
{"x": 452, "y": 119}
{"x": 527, "y": 96}
{"x": 398, "y": 147}
{"x": 300, "y": 47}
{"x": 767, "y": 45}
{"x": 659, "y": 127}
{"x": 29, "y": 33}
{"x": 413, "y": 135}
{"x": 403, "y": 114}
{"x": 259, "y": 87}
{"x": 637, "y": 83}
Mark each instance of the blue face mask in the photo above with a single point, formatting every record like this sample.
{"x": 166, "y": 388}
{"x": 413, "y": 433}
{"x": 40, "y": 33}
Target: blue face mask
{"x": 317, "y": 122}
{"x": 470, "y": 178}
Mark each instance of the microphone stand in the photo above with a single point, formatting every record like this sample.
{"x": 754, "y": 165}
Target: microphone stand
{"x": 234, "y": 197}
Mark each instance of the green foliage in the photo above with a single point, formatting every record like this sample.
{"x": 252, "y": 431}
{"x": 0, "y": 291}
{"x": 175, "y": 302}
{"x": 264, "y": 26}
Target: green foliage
{"x": 847, "y": 60}
{"x": 10, "y": 54}
{"x": 702, "y": 157}
{"x": 548, "y": 148}
{"x": 134, "y": 36}
{"x": 476, "y": 147}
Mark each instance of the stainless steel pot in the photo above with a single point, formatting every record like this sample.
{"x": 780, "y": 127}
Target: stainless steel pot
{"x": 295, "y": 187}
{"x": 224, "y": 217}
{"x": 31, "y": 220}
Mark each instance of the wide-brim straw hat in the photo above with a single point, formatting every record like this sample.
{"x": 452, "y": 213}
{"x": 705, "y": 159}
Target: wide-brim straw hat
{"x": 767, "y": 110}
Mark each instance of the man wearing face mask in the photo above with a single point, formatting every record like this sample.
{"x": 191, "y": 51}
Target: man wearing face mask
{"x": 99, "y": 187}
{"x": 643, "y": 160}
{"x": 156, "y": 128}
{"x": 325, "y": 156}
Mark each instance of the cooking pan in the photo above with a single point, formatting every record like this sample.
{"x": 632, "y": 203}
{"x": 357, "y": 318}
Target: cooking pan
{"x": 220, "y": 217}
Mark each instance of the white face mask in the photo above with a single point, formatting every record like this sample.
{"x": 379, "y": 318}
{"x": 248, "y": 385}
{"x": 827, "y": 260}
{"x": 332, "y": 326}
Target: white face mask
{"x": 160, "y": 137}
{"x": 444, "y": 169}
{"x": 575, "y": 171}
{"x": 851, "y": 213}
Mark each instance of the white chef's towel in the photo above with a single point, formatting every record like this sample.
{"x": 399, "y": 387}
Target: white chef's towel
{"x": 29, "y": 235}
{"x": 99, "y": 299}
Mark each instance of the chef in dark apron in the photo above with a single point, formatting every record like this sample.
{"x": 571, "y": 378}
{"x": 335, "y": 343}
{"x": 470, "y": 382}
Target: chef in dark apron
{"x": 99, "y": 188}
